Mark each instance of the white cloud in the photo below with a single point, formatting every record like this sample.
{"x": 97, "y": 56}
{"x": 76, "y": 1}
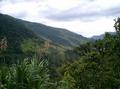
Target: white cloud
{"x": 37, "y": 10}
{"x": 87, "y": 29}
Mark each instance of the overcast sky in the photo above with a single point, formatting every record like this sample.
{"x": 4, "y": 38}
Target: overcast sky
{"x": 85, "y": 17}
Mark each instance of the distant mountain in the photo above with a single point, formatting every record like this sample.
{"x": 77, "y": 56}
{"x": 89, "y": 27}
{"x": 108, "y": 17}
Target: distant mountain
{"x": 17, "y": 30}
{"x": 97, "y": 37}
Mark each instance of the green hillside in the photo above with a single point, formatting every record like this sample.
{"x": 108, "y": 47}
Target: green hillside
{"x": 17, "y": 30}
{"x": 26, "y": 38}
{"x": 59, "y": 36}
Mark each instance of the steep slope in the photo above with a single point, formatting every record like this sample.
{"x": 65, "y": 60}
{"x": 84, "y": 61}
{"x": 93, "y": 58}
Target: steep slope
{"x": 17, "y": 30}
{"x": 25, "y": 38}
{"x": 59, "y": 36}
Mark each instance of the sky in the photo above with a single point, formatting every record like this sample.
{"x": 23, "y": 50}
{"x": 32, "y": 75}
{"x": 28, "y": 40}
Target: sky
{"x": 85, "y": 17}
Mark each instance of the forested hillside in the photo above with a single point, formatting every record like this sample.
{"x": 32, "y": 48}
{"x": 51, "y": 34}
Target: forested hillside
{"x": 25, "y": 39}
{"x": 13, "y": 27}
{"x": 94, "y": 65}
{"x": 58, "y": 36}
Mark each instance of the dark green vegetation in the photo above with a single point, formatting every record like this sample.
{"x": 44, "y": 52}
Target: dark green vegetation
{"x": 94, "y": 65}
{"x": 26, "y": 39}
{"x": 61, "y": 37}
{"x": 30, "y": 74}
{"x": 98, "y": 66}
{"x": 19, "y": 29}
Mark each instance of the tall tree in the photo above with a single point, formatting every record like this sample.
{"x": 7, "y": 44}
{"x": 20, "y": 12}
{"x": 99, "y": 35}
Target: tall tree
{"x": 117, "y": 24}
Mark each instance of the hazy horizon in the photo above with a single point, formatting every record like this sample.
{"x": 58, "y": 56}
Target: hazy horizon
{"x": 84, "y": 17}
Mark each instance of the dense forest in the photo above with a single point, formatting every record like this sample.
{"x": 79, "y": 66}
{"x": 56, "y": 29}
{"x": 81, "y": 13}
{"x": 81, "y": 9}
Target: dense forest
{"x": 93, "y": 65}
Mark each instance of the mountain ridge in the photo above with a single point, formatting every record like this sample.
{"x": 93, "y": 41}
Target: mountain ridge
{"x": 16, "y": 30}
{"x": 101, "y": 36}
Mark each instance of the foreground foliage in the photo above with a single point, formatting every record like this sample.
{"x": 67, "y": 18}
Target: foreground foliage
{"x": 30, "y": 74}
